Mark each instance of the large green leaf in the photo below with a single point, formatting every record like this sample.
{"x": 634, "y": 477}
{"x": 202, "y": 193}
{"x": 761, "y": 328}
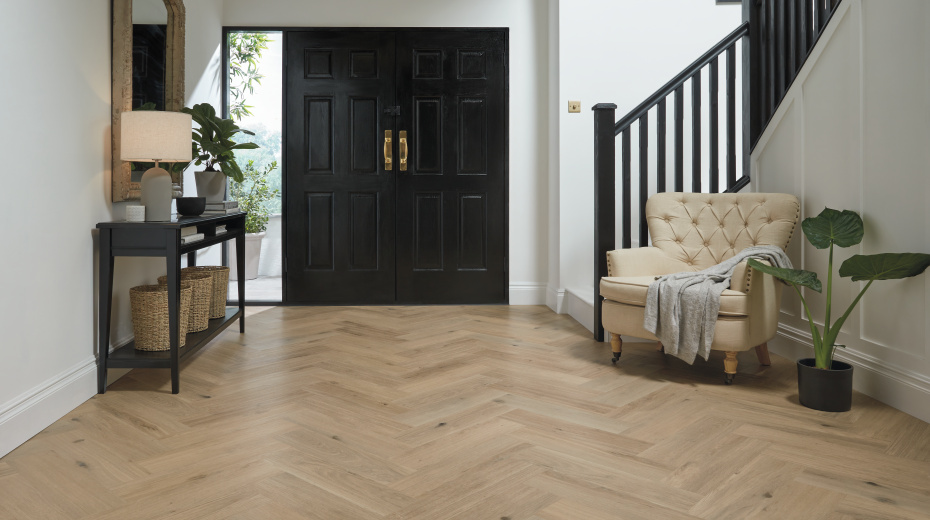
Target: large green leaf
{"x": 231, "y": 169}
{"x": 843, "y": 228}
{"x": 885, "y": 266}
{"x": 792, "y": 276}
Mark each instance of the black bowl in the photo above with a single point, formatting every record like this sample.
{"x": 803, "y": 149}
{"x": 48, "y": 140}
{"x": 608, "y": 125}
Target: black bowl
{"x": 191, "y": 206}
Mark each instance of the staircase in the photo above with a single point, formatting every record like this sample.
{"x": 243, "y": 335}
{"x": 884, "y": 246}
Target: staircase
{"x": 773, "y": 43}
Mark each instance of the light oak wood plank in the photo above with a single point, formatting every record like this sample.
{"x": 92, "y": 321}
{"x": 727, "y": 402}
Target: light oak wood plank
{"x": 461, "y": 412}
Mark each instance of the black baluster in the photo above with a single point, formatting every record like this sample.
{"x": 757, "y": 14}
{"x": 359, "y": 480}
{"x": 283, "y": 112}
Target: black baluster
{"x": 696, "y": 132}
{"x": 643, "y": 176}
{"x": 731, "y": 116}
{"x": 821, "y": 15}
{"x": 626, "y": 240}
{"x": 660, "y": 146}
{"x": 713, "y": 127}
{"x": 779, "y": 44}
{"x": 770, "y": 60}
{"x": 792, "y": 47}
{"x": 679, "y": 139}
{"x": 754, "y": 75}
{"x": 807, "y": 35}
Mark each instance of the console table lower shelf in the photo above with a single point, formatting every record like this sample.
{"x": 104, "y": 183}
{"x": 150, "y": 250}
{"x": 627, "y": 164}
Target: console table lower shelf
{"x": 128, "y": 357}
{"x": 163, "y": 239}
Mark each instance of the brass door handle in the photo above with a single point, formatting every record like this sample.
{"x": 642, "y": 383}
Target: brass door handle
{"x": 402, "y": 135}
{"x": 387, "y": 151}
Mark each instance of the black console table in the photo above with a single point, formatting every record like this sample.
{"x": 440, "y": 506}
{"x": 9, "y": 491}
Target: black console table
{"x": 121, "y": 238}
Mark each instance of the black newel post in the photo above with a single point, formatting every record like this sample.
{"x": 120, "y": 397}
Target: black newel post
{"x": 605, "y": 115}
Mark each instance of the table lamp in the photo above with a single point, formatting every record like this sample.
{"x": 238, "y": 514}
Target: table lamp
{"x": 153, "y": 136}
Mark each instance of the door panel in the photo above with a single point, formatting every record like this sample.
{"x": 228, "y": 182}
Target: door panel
{"x": 451, "y": 203}
{"x": 340, "y": 199}
{"x": 359, "y": 233}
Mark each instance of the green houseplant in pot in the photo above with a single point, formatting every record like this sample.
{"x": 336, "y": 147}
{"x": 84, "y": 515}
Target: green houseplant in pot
{"x": 253, "y": 194}
{"x": 213, "y": 147}
{"x": 824, "y": 383}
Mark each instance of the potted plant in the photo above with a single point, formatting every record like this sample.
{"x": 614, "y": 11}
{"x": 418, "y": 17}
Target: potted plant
{"x": 214, "y": 147}
{"x": 253, "y": 194}
{"x": 824, "y": 383}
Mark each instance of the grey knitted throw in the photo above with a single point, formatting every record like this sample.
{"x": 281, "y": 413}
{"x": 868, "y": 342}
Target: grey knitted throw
{"x": 681, "y": 308}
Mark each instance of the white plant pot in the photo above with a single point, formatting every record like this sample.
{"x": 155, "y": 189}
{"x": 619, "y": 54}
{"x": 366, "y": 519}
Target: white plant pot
{"x": 211, "y": 185}
{"x": 253, "y": 251}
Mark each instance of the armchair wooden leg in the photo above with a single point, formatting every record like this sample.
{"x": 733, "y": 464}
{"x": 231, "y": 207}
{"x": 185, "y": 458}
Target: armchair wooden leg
{"x": 616, "y": 344}
{"x": 729, "y": 366}
{"x": 762, "y": 352}
{"x": 660, "y": 347}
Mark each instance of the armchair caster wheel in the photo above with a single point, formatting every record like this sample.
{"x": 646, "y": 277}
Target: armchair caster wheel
{"x": 616, "y": 345}
{"x": 729, "y": 378}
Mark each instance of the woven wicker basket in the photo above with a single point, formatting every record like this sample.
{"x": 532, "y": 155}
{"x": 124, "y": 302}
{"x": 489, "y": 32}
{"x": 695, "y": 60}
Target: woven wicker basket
{"x": 202, "y": 284}
{"x": 150, "y": 316}
{"x": 220, "y": 286}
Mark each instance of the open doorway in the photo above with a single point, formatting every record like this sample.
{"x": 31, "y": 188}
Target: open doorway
{"x": 252, "y": 98}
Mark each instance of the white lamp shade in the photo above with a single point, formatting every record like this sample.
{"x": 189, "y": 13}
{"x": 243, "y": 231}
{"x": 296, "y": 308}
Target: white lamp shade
{"x": 149, "y": 135}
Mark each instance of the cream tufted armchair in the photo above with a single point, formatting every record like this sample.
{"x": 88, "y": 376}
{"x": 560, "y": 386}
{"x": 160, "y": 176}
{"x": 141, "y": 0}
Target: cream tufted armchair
{"x": 693, "y": 231}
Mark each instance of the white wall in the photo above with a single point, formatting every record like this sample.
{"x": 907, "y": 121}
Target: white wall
{"x": 528, "y": 23}
{"x": 149, "y": 12}
{"x": 56, "y": 132}
{"x": 613, "y": 52}
{"x": 852, "y": 134}
{"x": 203, "y": 68}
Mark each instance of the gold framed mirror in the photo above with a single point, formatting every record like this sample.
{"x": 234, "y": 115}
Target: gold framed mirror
{"x": 123, "y": 186}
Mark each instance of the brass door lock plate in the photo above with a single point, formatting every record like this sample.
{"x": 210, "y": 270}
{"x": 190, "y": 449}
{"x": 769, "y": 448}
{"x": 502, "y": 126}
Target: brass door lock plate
{"x": 574, "y": 107}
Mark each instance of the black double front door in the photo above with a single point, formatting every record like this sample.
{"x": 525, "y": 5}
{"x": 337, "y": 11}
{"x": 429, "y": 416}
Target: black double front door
{"x": 396, "y": 166}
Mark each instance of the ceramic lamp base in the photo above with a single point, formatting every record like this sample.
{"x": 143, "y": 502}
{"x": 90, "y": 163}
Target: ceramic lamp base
{"x": 156, "y": 195}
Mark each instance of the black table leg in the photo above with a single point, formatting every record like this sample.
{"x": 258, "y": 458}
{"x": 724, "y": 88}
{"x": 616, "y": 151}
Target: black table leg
{"x": 240, "y": 276}
{"x": 191, "y": 259}
{"x": 105, "y": 298}
{"x": 173, "y": 260}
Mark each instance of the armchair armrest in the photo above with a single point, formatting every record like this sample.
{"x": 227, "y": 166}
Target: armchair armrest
{"x": 764, "y": 293}
{"x": 745, "y": 278}
{"x": 742, "y": 274}
{"x": 643, "y": 261}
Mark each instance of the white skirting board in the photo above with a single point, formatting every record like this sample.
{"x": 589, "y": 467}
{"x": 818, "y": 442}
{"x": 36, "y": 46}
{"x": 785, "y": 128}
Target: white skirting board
{"x": 581, "y": 308}
{"x": 527, "y": 293}
{"x": 31, "y": 412}
{"x": 555, "y": 300}
{"x": 899, "y": 387}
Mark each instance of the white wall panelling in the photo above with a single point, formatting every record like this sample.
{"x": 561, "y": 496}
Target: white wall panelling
{"x": 852, "y": 134}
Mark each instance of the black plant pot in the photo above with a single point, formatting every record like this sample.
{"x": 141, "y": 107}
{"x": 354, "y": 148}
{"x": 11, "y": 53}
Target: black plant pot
{"x": 825, "y": 390}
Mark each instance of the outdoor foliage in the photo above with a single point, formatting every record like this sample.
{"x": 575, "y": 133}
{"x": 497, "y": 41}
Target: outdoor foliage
{"x": 254, "y": 195}
{"x": 245, "y": 50}
{"x": 844, "y": 229}
{"x": 268, "y": 151}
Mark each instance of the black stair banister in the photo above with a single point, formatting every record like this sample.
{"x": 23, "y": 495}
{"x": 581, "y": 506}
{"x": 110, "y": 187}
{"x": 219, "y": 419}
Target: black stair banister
{"x": 606, "y": 132}
{"x": 680, "y": 79}
{"x": 783, "y": 34}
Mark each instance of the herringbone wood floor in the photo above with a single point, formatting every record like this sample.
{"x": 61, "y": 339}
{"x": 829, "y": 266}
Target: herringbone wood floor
{"x": 462, "y": 412}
